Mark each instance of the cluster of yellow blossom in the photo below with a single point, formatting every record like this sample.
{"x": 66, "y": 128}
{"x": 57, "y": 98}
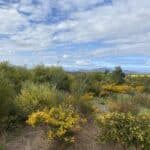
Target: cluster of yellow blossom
{"x": 125, "y": 128}
{"x": 87, "y": 96}
{"x": 139, "y": 88}
{"x": 139, "y": 75}
{"x": 121, "y": 88}
{"x": 62, "y": 122}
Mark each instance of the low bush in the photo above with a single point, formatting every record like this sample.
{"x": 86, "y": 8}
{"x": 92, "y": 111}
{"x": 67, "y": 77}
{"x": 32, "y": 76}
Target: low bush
{"x": 142, "y": 99}
{"x": 7, "y": 96}
{"x": 55, "y": 76}
{"x": 121, "y": 89}
{"x": 62, "y": 122}
{"x": 123, "y": 103}
{"x": 132, "y": 132}
{"x": 2, "y": 147}
{"x": 35, "y": 97}
{"x": 84, "y": 104}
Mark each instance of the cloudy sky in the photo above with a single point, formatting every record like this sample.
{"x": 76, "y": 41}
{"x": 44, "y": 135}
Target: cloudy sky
{"x": 77, "y": 34}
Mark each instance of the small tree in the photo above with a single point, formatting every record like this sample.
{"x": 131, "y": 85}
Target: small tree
{"x": 118, "y": 75}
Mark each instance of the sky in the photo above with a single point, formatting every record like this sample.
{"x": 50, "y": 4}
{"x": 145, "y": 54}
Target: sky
{"x": 76, "y": 34}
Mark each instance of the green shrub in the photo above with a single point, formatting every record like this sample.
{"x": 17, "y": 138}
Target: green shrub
{"x": 2, "y": 147}
{"x": 7, "y": 96}
{"x": 126, "y": 129}
{"x": 83, "y": 104}
{"x": 118, "y": 76}
{"x": 55, "y": 76}
{"x": 35, "y": 97}
{"x": 15, "y": 74}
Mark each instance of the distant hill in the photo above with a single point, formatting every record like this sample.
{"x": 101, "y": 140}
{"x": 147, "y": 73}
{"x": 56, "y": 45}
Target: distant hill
{"x": 103, "y": 69}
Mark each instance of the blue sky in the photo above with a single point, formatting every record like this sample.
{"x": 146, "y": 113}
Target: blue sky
{"x": 76, "y": 34}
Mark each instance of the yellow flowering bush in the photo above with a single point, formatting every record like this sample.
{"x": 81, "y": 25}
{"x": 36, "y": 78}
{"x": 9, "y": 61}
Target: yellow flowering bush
{"x": 87, "y": 96}
{"x": 126, "y": 129}
{"x": 62, "y": 122}
{"x": 35, "y": 97}
{"x": 139, "y": 88}
{"x": 121, "y": 88}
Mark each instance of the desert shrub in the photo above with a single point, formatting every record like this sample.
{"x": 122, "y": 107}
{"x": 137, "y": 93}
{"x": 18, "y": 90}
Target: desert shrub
{"x": 118, "y": 76}
{"x": 80, "y": 84}
{"x": 84, "y": 104}
{"x": 87, "y": 96}
{"x": 126, "y": 129}
{"x": 139, "y": 88}
{"x": 123, "y": 103}
{"x": 35, "y": 96}
{"x": 117, "y": 88}
{"x": 2, "y": 147}
{"x": 15, "y": 74}
{"x": 7, "y": 96}
{"x": 121, "y": 89}
{"x": 62, "y": 122}
{"x": 55, "y": 76}
{"x": 142, "y": 99}
{"x": 85, "y": 82}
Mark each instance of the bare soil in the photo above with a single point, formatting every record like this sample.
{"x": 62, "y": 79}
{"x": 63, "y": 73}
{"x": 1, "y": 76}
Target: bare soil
{"x": 34, "y": 139}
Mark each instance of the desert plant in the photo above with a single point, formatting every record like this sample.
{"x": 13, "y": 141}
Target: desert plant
{"x": 55, "y": 76}
{"x": 36, "y": 96}
{"x": 142, "y": 99}
{"x": 123, "y": 103}
{"x": 62, "y": 122}
{"x": 2, "y": 147}
{"x": 126, "y": 129}
{"x": 118, "y": 75}
{"x": 7, "y": 96}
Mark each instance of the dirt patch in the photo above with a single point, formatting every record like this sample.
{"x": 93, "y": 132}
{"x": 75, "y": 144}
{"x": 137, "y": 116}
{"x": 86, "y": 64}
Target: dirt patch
{"x": 34, "y": 139}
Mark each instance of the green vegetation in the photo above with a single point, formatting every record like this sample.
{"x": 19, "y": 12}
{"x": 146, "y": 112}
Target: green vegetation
{"x": 57, "y": 101}
{"x": 126, "y": 129}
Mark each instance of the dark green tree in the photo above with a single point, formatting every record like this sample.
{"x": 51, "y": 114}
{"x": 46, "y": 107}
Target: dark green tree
{"x": 118, "y": 75}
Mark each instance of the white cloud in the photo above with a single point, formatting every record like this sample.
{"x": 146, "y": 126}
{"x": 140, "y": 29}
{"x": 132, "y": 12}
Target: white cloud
{"x": 123, "y": 26}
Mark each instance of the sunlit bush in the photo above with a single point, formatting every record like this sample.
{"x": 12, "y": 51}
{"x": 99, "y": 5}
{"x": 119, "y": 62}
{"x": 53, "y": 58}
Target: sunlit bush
{"x": 121, "y": 88}
{"x": 87, "y": 96}
{"x": 37, "y": 96}
{"x": 117, "y": 88}
{"x": 126, "y": 129}
{"x": 139, "y": 88}
{"x": 61, "y": 122}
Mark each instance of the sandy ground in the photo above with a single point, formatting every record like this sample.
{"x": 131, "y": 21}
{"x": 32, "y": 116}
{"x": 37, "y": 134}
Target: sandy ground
{"x": 34, "y": 139}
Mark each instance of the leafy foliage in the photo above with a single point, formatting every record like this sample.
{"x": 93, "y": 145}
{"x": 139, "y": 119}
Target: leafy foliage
{"x": 62, "y": 122}
{"x": 55, "y": 76}
{"x": 7, "y": 94}
{"x": 118, "y": 75}
{"x": 35, "y": 96}
{"x": 121, "y": 88}
{"x": 129, "y": 130}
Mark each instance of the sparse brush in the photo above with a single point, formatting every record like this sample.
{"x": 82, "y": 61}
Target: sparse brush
{"x": 123, "y": 103}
